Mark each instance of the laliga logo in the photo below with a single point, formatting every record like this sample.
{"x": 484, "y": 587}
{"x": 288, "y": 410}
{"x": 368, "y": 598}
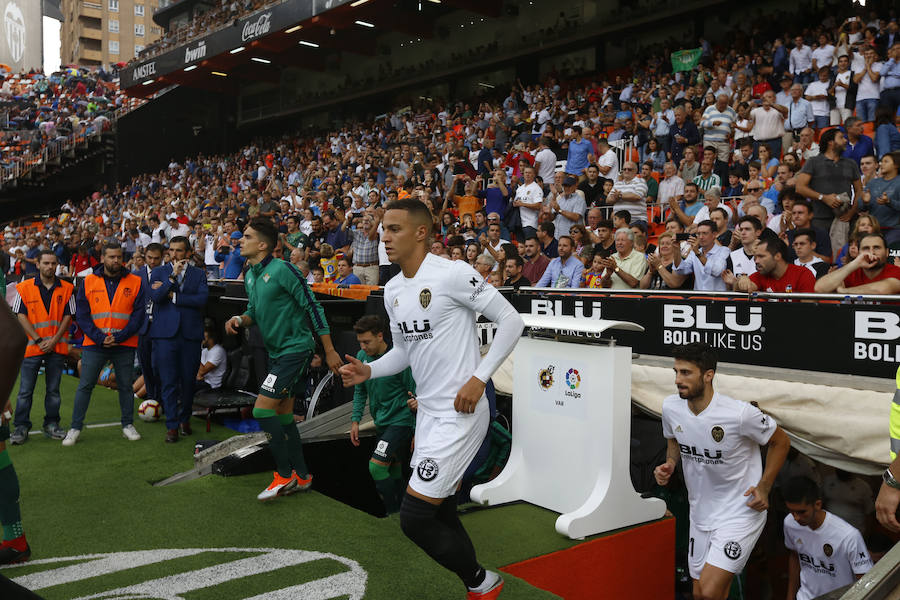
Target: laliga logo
{"x": 348, "y": 582}
{"x": 573, "y": 379}
{"x": 253, "y": 29}
{"x": 15, "y": 31}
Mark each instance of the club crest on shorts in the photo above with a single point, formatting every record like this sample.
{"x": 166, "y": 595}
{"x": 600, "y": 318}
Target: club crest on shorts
{"x": 718, "y": 434}
{"x": 425, "y": 298}
{"x": 828, "y": 550}
{"x": 545, "y": 377}
{"x": 427, "y": 469}
{"x": 733, "y": 550}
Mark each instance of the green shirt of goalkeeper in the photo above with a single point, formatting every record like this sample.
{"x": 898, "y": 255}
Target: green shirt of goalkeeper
{"x": 388, "y": 399}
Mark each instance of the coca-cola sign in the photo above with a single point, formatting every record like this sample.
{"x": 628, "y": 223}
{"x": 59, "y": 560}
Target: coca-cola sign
{"x": 257, "y": 28}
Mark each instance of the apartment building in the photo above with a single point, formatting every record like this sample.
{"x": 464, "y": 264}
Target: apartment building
{"x": 105, "y": 32}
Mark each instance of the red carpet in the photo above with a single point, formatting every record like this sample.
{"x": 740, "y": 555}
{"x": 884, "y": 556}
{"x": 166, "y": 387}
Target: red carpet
{"x": 637, "y": 563}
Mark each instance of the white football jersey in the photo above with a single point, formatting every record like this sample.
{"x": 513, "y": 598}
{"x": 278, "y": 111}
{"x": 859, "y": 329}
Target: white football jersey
{"x": 830, "y": 556}
{"x": 433, "y": 317}
{"x": 741, "y": 263}
{"x": 719, "y": 455}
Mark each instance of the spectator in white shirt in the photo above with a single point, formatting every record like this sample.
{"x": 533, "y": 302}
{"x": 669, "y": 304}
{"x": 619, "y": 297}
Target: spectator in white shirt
{"x": 672, "y": 186}
{"x": 869, "y": 91}
{"x": 630, "y": 193}
{"x": 213, "y": 363}
{"x": 545, "y": 160}
{"x": 801, "y": 62}
{"x": 839, "y": 90}
{"x": 529, "y": 200}
{"x": 823, "y": 55}
{"x": 607, "y": 162}
{"x": 817, "y": 94}
{"x": 568, "y": 205}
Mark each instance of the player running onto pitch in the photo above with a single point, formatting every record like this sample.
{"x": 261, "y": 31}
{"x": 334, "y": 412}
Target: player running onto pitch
{"x": 718, "y": 438}
{"x": 432, "y": 305}
{"x": 388, "y": 399}
{"x": 287, "y": 312}
{"x": 827, "y": 552}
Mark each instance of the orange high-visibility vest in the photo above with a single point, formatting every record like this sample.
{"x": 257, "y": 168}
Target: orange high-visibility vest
{"x": 110, "y": 318}
{"x": 45, "y": 323}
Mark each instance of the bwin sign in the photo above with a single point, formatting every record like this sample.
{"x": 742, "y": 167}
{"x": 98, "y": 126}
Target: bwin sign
{"x": 349, "y": 581}
{"x": 192, "y": 54}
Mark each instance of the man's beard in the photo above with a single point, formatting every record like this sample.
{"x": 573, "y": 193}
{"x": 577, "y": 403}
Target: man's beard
{"x": 693, "y": 392}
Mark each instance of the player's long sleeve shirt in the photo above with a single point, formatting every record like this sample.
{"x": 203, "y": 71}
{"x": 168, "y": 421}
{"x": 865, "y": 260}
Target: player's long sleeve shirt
{"x": 433, "y": 326}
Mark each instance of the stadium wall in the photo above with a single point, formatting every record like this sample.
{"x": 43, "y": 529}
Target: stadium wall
{"x": 22, "y": 36}
{"x": 181, "y": 123}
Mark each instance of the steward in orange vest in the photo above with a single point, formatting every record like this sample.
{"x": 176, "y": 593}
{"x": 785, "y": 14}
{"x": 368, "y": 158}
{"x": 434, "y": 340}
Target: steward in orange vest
{"x": 111, "y": 307}
{"x": 44, "y": 305}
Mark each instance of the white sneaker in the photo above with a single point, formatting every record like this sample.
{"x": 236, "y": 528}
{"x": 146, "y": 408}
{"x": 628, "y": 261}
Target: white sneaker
{"x": 131, "y": 433}
{"x": 71, "y": 437}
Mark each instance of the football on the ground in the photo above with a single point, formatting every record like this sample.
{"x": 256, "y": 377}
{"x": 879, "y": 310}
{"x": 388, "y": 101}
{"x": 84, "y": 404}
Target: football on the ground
{"x": 149, "y": 410}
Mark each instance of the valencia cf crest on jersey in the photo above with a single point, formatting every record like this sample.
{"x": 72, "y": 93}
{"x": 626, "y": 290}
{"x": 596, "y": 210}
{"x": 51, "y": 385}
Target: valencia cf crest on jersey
{"x": 425, "y": 298}
{"x": 718, "y": 434}
{"x": 828, "y": 550}
{"x": 396, "y": 304}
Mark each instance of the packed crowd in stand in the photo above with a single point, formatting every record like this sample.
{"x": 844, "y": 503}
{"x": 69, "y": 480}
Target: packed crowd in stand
{"x": 530, "y": 189}
{"x": 705, "y": 179}
{"x": 37, "y": 111}
{"x": 222, "y": 14}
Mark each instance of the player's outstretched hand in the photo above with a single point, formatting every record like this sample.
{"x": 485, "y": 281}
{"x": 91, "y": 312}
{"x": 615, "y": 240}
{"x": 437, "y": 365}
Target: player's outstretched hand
{"x": 354, "y": 372}
{"x": 759, "y": 498}
{"x": 663, "y": 473}
{"x": 334, "y": 362}
{"x": 231, "y": 326}
{"x": 886, "y": 507}
{"x": 469, "y": 395}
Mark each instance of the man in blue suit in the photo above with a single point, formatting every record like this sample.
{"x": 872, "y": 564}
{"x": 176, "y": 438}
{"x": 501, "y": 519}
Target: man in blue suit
{"x": 179, "y": 294}
{"x": 153, "y": 258}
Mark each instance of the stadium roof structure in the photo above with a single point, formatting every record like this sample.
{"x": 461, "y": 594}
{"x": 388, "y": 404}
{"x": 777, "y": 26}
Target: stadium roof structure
{"x": 297, "y": 33}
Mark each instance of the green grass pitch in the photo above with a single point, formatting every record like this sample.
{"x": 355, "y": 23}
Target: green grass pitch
{"x": 97, "y": 498}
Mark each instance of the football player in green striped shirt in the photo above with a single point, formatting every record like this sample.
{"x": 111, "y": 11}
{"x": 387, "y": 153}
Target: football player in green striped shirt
{"x": 394, "y": 421}
{"x": 289, "y": 318}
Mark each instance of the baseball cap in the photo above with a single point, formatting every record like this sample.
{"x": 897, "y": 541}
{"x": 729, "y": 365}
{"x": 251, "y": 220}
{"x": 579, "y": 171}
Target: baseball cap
{"x": 569, "y": 180}
{"x": 236, "y": 235}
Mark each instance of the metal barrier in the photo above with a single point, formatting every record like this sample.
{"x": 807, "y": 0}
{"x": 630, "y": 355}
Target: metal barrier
{"x": 882, "y": 582}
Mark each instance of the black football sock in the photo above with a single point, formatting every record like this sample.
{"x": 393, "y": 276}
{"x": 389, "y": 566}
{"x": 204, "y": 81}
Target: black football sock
{"x": 419, "y": 522}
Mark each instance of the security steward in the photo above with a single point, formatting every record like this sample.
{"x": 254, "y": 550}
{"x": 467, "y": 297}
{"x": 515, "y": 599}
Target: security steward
{"x": 44, "y": 305}
{"x": 888, "y": 500}
{"x": 110, "y": 308}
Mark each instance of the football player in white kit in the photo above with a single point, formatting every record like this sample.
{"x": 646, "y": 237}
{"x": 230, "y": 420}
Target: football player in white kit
{"x": 827, "y": 552}
{"x": 717, "y": 438}
{"x": 432, "y": 305}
